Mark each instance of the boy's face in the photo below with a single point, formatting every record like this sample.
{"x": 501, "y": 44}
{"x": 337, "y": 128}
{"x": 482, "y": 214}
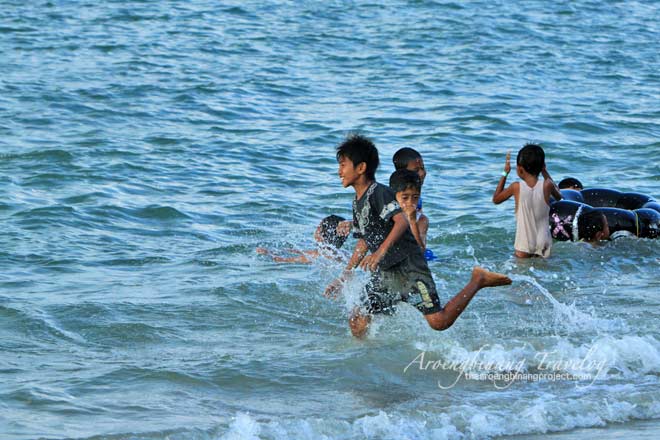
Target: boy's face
{"x": 408, "y": 199}
{"x": 417, "y": 166}
{"x": 348, "y": 173}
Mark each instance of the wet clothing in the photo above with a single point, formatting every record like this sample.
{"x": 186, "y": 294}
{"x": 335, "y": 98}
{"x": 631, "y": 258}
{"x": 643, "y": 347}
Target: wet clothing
{"x": 532, "y": 216}
{"x": 409, "y": 281}
{"x": 372, "y": 221}
{"x": 402, "y": 274}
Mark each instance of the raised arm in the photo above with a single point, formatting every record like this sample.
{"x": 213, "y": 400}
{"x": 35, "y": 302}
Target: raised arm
{"x": 501, "y": 194}
{"x": 417, "y": 227}
{"x": 423, "y": 228}
{"x": 552, "y": 186}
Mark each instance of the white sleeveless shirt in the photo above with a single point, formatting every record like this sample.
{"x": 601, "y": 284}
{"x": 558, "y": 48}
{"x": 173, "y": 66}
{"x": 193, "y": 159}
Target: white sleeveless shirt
{"x": 532, "y": 227}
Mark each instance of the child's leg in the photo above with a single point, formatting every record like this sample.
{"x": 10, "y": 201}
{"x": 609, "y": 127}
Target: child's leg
{"x": 375, "y": 299}
{"x": 359, "y": 323}
{"x": 481, "y": 278}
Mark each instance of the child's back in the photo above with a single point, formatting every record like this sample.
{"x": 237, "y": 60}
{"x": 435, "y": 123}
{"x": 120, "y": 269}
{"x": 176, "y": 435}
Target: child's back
{"x": 532, "y": 231}
{"x": 533, "y": 237}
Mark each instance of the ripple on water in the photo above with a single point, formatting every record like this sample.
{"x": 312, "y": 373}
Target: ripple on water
{"x": 148, "y": 148}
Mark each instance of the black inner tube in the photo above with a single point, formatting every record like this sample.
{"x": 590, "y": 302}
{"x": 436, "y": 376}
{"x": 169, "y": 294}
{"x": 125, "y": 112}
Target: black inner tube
{"x": 627, "y": 213}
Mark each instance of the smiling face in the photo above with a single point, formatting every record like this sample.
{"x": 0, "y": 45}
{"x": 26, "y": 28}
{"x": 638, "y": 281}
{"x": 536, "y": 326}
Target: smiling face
{"x": 348, "y": 172}
{"x": 417, "y": 166}
{"x": 408, "y": 199}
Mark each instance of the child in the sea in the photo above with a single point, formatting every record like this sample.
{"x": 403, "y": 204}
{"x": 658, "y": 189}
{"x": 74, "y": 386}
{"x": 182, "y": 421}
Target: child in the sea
{"x": 329, "y": 242}
{"x": 532, "y": 198}
{"x": 573, "y": 221}
{"x": 593, "y": 227}
{"x": 387, "y": 248}
{"x": 407, "y": 187}
{"x": 409, "y": 159}
{"x": 570, "y": 183}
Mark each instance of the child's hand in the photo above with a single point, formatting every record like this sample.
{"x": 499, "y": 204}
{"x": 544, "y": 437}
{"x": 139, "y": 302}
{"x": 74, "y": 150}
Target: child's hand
{"x": 262, "y": 251}
{"x": 410, "y": 211}
{"x": 507, "y": 162}
{"x": 333, "y": 289}
{"x": 344, "y": 228}
{"x": 370, "y": 262}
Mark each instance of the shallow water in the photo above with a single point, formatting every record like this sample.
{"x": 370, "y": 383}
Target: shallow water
{"x": 147, "y": 149}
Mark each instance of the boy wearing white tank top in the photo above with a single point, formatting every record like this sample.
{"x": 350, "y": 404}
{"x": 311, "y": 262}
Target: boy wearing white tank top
{"x": 533, "y": 238}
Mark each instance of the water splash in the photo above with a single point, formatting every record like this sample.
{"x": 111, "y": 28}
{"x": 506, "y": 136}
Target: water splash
{"x": 470, "y": 251}
{"x": 567, "y": 316}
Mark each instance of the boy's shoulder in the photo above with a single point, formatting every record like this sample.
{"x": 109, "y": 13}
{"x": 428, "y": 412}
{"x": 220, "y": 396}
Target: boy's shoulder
{"x": 383, "y": 187}
{"x": 381, "y": 200}
{"x": 378, "y": 191}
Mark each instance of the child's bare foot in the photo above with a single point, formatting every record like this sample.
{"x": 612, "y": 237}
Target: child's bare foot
{"x": 262, "y": 251}
{"x": 489, "y": 279}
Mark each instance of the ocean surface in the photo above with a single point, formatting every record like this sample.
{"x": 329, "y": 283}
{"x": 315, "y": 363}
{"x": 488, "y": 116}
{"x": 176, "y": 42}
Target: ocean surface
{"x": 148, "y": 148}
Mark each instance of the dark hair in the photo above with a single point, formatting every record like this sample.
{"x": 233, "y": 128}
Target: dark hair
{"x": 401, "y": 180}
{"x": 570, "y": 183}
{"x": 532, "y": 158}
{"x": 589, "y": 224}
{"x": 358, "y": 149}
{"x": 403, "y": 156}
{"x": 328, "y": 231}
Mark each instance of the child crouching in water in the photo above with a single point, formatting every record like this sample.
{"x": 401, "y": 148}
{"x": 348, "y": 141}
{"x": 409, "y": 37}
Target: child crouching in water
{"x": 387, "y": 248}
{"x": 330, "y": 238}
{"x": 532, "y": 198}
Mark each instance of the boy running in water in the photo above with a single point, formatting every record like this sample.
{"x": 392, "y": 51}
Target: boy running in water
{"x": 387, "y": 248}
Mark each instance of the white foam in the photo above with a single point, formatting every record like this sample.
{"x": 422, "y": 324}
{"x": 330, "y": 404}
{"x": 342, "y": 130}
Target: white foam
{"x": 628, "y": 356}
{"x": 243, "y": 427}
{"x": 495, "y": 416}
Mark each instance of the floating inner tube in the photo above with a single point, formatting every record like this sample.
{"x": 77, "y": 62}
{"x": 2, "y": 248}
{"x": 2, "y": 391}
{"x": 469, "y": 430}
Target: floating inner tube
{"x": 627, "y": 213}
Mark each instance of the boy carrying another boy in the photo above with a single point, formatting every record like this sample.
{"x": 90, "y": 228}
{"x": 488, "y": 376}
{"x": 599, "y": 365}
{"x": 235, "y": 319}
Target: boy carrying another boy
{"x": 387, "y": 248}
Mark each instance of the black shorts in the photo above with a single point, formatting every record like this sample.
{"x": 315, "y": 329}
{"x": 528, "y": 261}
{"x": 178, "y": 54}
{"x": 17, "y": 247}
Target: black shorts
{"x": 409, "y": 281}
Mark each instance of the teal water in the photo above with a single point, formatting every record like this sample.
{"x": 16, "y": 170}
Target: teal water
{"x": 147, "y": 149}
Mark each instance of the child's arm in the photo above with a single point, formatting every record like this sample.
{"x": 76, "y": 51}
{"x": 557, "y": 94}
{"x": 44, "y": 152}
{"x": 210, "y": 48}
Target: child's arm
{"x": 370, "y": 262}
{"x": 416, "y": 227}
{"x": 358, "y": 254}
{"x": 550, "y": 188}
{"x": 501, "y": 194}
{"x": 423, "y": 225}
{"x": 360, "y": 251}
{"x": 304, "y": 257}
{"x": 419, "y": 228}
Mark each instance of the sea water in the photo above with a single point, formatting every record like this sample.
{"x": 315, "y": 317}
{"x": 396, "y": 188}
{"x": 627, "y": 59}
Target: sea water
{"x": 147, "y": 148}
